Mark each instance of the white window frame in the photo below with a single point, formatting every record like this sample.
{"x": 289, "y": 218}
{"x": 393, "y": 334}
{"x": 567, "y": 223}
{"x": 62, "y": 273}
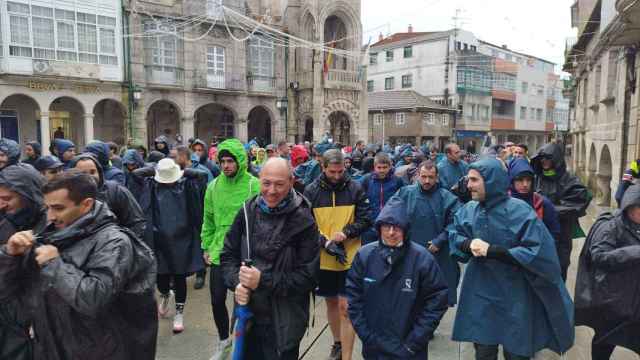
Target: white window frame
{"x": 445, "y": 119}
{"x": 525, "y": 87}
{"x": 401, "y": 119}
{"x": 43, "y": 51}
{"x": 370, "y": 85}
{"x": 66, "y": 53}
{"x": 386, "y": 85}
{"x": 163, "y": 58}
{"x": 216, "y": 66}
{"x": 17, "y": 40}
{"x": 373, "y": 59}
{"x": 407, "y": 81}
{"x": 523, "y": 113}
{"x": 408, "y": 49}
{"x": 377, "y": 119}
{"x": 261, "y": 57}
{"x": 389, "y": 55}
{"x": 429, "y": 118}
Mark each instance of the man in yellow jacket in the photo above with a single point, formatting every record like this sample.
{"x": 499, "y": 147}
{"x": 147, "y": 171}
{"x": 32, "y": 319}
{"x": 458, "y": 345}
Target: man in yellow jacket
{"x": 223, "y": 199}
{"x": 341, "y": 209}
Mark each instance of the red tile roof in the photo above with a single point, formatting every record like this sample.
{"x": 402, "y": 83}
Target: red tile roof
{"x": 400, "y": 37}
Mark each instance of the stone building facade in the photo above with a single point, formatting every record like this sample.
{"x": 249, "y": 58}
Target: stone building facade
{"x": 604, "y": 107}
{"x": 219, "y": 86}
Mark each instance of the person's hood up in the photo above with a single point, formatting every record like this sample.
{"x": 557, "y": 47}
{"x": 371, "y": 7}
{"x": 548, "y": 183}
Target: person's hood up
{"x": 47, "y": 162}
{"x": 101, "y": 151}
{"x": 235, "y": 148}
{"x": 631, "y": 197}
{"x": 299, "y": 155}
{"x": 26, "y": 182}
{"x": 394, "y": 213}
{"x": 90, "y": 156}
{"x": 261, "y": 155}
{"x": 496, "y": 179}
{"x": 407, "y": 152}
{"x": 162, "y": 139}
{"x": 553, "y": 151}
{"x": 11, "y": 149}
{"x": 324, "y": 147}
{"x": 36, "y": 147}
{"x": 133, "y": 157}
{"x": 519, "y": 167}
{"x": 62, "y": 145}
{"x": 155, "y": 156}
{"x": 204, "y": 157}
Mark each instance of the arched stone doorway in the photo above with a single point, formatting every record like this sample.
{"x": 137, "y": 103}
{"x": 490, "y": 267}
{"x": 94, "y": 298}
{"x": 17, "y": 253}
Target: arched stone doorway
{"x": 20, "y": 119}
{"x": 66, "y": 119}
{"x": 109, "y": 117}
{"x": 214, "y": 121}
{"x": 163, "y": 118}
{"x": 308, "y": 129}
{"x": 592, "y": 168}
{"x": 604, "y": 177}
{"x": 340, "y": 127}
{"x": 336, "y": 36}
{"x": 259, "y": 126}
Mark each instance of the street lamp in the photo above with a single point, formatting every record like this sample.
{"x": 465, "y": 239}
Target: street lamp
{"x": 282, "y": 104}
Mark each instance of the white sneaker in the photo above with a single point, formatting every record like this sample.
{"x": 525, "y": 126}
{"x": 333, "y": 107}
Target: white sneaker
{"x": 178, "y": 323}
{"x": 163, "y": 304}
{"x": 224, "y": 349}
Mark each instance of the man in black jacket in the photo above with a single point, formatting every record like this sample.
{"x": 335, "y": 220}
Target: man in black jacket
{"x": 341, "y": 209}
{"x": 86, "y": 282}
{"x": 22, "y": 209}
{"x": 119, "y": 199}
{"x": 282, "y": 245}
{"x": 569, "y": 196}
{"x": 607, "y": 297}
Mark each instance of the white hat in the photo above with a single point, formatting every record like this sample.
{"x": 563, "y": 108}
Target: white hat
{"x": 167, "y": 172}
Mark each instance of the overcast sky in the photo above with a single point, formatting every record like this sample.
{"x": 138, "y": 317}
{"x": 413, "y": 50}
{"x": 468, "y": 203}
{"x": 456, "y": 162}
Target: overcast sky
{"x": 538, "y": 27}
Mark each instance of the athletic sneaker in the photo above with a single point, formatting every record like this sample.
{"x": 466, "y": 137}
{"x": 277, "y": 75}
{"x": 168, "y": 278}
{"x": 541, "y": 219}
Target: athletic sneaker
{"x": 163, "y": 305}
{"x": 336, "y": 352}
{"x": 178, "y": 319}
{"x": 224, "y": 350}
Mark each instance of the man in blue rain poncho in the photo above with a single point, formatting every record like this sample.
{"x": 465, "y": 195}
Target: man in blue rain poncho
{"x": 430, "y": 210}
{"x": 451, "y": 168}
{"x": 512, "y": 293}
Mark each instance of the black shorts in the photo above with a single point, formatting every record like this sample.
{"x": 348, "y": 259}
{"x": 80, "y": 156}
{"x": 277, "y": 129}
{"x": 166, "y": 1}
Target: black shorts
{"x": 331, "y": 283}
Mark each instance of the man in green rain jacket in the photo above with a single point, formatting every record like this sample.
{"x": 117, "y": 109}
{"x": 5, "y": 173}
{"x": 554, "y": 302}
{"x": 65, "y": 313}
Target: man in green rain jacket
{"x": 223, "y": 199}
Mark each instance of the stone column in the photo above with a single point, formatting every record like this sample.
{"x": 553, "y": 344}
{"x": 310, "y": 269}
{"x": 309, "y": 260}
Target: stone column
{"x": 45, "y": 131}
{"x": 242, "y": 130}
{"x": 88, "y": 128}
{"x": 187, "y": 128}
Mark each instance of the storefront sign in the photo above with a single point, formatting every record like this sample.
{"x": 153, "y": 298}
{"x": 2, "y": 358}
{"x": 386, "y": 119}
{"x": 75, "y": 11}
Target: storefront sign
{"x": 42, "y": 86}
{"x": 47, "y": 86}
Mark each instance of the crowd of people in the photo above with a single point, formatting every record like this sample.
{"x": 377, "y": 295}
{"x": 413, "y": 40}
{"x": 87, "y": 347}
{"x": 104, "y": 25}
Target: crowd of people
{"x": 97, "y": 245}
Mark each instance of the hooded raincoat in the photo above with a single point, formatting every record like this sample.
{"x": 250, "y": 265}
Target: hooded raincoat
{"x": 37, "y": 149}
{"x": 120, "y": 200}
{"x": 607, "y": 286}
{"x": 211, "y": 166}
{"x": 101, "y": 151}
{"x": 450, "y": 173}
{"x": 132, "y": 157}
{"x": 96, "y": 300}
{"x": 430, "y": 214}
{"x": 60, "y": 146}
{"x": 162, "y": 140}
{"x": 224, "y": 197}
{"x": 11, "y": 149}
{"x": 514, "y": 297}
{"x": 15, "y": 343}
{"x": 379, "y": 191}
{"x": 397, "y": 296}
{"x": 570, "y": 197}
{"x": 543, "y": 207}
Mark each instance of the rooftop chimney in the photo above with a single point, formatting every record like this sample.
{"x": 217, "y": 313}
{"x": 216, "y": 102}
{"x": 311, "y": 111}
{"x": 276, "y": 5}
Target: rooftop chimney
{"x": 410, "y": 30}
{"x": 380, "y": 37}
{"x": 505, "y": 47}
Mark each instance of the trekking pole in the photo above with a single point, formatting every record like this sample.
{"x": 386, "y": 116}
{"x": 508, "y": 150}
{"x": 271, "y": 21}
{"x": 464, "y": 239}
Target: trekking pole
{"x": 242, "y": 312}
